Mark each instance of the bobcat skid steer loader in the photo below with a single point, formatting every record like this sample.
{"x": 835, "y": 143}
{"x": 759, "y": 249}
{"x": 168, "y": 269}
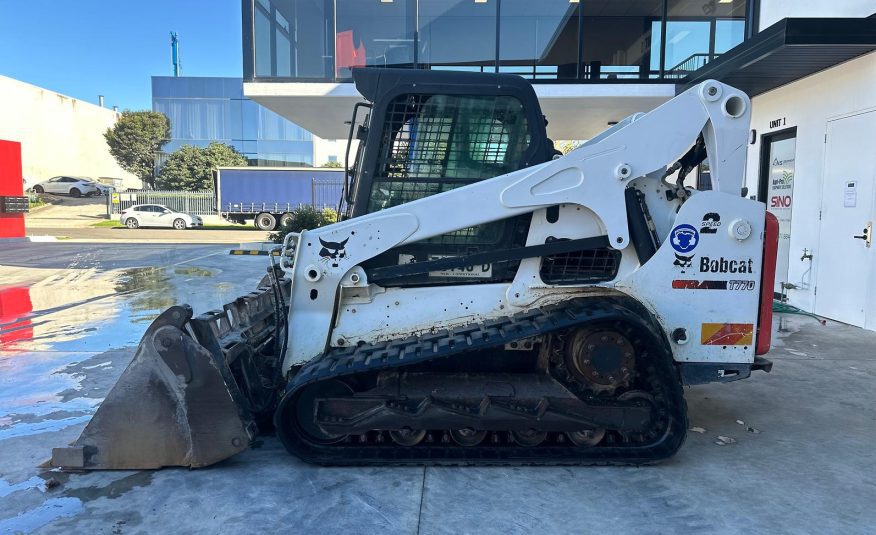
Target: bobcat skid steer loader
{"x": 483, "y": 301}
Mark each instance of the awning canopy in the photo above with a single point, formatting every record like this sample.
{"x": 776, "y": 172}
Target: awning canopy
{"x": 788, "y": 51}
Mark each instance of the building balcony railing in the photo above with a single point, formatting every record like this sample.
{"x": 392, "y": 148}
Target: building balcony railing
{"x": 689, "y": 65}
{"x": 548, "y": 41}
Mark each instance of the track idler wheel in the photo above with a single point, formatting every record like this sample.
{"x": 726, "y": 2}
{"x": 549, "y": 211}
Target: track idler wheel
{"x": 468, "y": 437}
{"x": 407, "y": 436}
{"x": 586, "y": 438}
{"x": 529, "y": 438}
{"x": 305, "y": 411}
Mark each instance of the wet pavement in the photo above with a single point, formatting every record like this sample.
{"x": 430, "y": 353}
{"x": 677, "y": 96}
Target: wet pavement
{"x": 786, "y": 452}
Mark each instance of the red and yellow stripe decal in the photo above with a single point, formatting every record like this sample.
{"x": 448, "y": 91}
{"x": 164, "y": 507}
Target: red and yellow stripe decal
{"x": 727, "y": 334}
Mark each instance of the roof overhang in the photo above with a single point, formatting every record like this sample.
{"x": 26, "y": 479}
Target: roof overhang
{"x": 787, "y": 51}
{"x": 573, "y": 111}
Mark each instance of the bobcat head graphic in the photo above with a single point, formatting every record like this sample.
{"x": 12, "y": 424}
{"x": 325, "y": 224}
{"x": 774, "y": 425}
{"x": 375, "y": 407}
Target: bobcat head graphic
{"x": 333, "y": 250}
{"x": 683, "y": 262}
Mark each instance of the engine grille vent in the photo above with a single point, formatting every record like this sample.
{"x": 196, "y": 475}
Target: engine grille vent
{"x": 581, "y": 267}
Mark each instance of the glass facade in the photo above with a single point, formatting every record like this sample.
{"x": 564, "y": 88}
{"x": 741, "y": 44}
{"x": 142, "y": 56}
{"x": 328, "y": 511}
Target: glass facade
{"x": 202, "y": 110}
{"x": 544, "y": 40}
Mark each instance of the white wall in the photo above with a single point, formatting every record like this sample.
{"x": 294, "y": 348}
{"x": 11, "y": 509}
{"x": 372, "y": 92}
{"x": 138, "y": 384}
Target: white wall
{"x": 772, "y": 11}
{"x": 59, "y": 135}
{"x": 808, "y": 104}
{"x": 323, "y": 148}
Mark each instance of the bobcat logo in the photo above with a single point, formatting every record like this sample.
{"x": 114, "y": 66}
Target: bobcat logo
{"x": 333, "y": 250}
{"x": 683, "y": 262}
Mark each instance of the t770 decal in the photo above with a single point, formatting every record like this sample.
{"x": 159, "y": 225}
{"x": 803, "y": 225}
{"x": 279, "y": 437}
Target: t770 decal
{"x": 686, "y": 284}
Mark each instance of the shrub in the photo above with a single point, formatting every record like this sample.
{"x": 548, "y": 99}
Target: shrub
{"x": 304, "y": 218}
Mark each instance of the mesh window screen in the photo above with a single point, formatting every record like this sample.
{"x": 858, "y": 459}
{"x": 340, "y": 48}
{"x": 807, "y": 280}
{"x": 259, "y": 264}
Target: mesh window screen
{"x": 435, "y": 143}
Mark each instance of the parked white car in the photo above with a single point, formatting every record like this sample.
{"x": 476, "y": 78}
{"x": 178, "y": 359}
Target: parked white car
{"x": 75, "y": 186}
{"x": 104, "y": 189}
{"x": 157, "y": 215}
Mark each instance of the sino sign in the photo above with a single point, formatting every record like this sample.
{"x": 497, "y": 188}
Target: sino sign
{"x": 780, "y": 201}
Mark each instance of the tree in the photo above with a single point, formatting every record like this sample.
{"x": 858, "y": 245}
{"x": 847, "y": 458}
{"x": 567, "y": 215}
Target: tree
{"x": 191, "y": 168}
{"x": 333, "y": 165}
{"x": 135, "y": 139}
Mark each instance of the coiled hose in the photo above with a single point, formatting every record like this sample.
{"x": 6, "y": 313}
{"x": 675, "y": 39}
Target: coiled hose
{"x": 785, "y": 308}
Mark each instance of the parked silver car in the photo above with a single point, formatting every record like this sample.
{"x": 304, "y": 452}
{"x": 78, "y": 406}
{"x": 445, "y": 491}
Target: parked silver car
{"x": 157, "y": 215}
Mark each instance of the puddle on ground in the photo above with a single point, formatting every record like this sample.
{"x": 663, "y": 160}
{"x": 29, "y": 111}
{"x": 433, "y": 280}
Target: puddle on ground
{"x": 57, "y": 335}
{"x": 32, "y": 519}
{"x": 113, "y": 490}
{"x": 108, "y": 305}
{"x": 49, "y": 511}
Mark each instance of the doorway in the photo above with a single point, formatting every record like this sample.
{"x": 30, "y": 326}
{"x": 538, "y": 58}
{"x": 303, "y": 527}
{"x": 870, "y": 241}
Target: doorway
{"x": 778, "y": 152}
{"x": 845, "y": 256}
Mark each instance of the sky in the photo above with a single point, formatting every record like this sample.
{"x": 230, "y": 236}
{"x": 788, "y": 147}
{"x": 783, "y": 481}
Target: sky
{"x": 86, "y": 48}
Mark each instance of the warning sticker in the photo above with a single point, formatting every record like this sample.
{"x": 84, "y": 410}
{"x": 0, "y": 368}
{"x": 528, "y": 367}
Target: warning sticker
{"x": 727, "y": 334}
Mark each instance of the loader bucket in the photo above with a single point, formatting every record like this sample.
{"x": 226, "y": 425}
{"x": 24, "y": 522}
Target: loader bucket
{"x": 172, "y": 406}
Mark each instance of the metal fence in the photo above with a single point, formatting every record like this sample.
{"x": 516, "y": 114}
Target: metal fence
{"x": 326, "y": 192}
{"x": 190, "y": 202}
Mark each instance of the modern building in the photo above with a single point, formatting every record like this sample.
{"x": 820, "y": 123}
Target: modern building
{"x": 809, "y": 66}
{"x": 206, "y": 109}
{"x": 595, "y": 61}
{"x": 59, "y": 135}
{"x": 812, "y": 157}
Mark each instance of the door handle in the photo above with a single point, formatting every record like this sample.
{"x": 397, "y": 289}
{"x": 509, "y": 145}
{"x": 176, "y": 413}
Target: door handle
{"x": 867, "y": 236}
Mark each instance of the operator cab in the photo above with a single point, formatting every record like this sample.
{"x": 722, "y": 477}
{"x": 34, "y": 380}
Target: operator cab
{"x": 427, "y": 132}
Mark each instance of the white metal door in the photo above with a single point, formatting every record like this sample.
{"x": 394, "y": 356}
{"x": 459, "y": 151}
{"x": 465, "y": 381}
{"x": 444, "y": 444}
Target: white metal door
{"x": 846, "y": 254}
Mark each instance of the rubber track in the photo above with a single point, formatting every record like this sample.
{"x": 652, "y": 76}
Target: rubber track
{"x": 342, "y": 362}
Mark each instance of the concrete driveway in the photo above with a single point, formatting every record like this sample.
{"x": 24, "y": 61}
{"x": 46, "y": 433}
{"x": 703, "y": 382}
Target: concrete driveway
{"x": 71, "y": 218}
{"x": 786, "y": 452}
{"x": 63, "y": 211}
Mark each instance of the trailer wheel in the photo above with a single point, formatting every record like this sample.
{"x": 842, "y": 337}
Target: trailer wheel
{"x": 265, "y": 221}
{"x": 285, "y": 219}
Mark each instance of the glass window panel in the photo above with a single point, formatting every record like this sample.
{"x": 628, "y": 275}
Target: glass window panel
{"x": 458, "y": 33}
{"x": 539, "y": 40}
{"x": 687, "y": 44}
{"x": 284, "y": 55}
{"x": 292, "y": 39}
{"x": 706, "y": 8}
{"x": 618, "y": 38}
{"x": 374, "y": 33}
{"x": 697, "y": 31}
{"x": 728, "y": 33}
{"x": 263, "y": 63}
{"x": 282, "y": 23}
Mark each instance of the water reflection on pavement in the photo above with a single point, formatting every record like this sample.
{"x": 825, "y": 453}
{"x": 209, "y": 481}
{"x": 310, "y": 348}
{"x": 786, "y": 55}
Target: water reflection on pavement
{"x": 70, "y": 318}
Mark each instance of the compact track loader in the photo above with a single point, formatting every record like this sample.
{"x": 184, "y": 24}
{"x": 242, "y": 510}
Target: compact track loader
{"x": 484, "y": 300}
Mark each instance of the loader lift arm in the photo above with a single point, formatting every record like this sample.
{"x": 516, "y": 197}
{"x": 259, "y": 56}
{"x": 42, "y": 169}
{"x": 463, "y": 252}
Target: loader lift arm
{"x": 594, "y": 176}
